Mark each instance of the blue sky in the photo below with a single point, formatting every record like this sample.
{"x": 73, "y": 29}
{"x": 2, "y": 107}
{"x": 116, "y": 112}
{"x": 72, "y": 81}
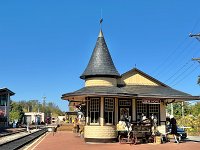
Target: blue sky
{"x": 46, "y": 45}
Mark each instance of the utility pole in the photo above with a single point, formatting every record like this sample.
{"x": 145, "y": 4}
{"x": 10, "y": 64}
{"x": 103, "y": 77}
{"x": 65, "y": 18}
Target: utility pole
{"x": 197, "y": 36}
{"x": 38, "y": 106}
{"x": 44, "y": 103}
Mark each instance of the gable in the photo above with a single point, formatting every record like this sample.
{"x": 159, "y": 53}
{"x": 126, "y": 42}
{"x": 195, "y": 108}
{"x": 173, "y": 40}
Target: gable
{"x": 137, "y": 77}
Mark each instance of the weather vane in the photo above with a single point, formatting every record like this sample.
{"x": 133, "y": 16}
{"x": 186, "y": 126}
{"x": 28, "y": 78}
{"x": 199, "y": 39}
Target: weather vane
{"x": 101, "y": 20}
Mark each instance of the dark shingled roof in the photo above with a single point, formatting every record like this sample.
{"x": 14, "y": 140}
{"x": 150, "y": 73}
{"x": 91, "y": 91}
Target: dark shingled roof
{"x": 100, "y": 63}
{"x": 137, "y": 91}
{"x": 147, "y": 90}
{"x": 6, "y": 90}
{"x": 97, "y": 90}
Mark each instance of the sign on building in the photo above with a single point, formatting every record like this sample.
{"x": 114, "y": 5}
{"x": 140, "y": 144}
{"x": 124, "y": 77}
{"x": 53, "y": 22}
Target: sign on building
{"x": 151, "y": 101}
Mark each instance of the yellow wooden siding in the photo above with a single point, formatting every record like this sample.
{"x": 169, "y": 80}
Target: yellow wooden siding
{"x": 135, "y": 78}
{"x": 101, "y": 81}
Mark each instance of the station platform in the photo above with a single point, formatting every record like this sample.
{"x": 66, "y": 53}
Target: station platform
{"x": 63, "y": 140}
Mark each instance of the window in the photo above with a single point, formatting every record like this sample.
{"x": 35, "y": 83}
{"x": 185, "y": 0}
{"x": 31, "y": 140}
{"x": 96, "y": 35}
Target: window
{"x": 147, "y": 110}
{"x": 3, "y": 100}
{"x": 109, "y": 105}
{"x": 94, "y": 110}
{"x": 141, "y": 109}
{"x": 155, "y": 110}
{"x": 124, "y": 103}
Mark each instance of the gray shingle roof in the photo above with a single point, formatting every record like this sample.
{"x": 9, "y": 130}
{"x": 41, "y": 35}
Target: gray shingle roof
{"x": 102, "y": 89}
{"x": 100, "y": 63}
{"x": 2, "y": 90}
{"x": 137, "y": 91}
{"x": 145, "y": 90}
{"x": 97, "y": 90}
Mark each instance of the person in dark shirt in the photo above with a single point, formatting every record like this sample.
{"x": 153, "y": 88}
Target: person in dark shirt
{"x": 173, "y": 127}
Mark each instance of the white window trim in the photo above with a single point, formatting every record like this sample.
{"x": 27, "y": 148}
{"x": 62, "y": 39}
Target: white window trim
{"x": 98, "y": 119}
{"x": 113, "y": 111}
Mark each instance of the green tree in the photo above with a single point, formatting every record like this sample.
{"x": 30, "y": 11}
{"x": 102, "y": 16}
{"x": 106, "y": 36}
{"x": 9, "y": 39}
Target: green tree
{"x": 195, "y": 109}
{"x": 177, "y": 109}
{"x": 191, "y": 117}
{"x": 16, "y": 112}
{"x": 192, "y": 122}
{"x": 18, "y": 109}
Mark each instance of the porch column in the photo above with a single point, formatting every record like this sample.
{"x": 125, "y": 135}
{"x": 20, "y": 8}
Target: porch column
{"x": 7, "y": 109}
{"x": 133, "y": 109}
{"x": 162, "y": 126}
{"x": 87, "y": 114}
{"x": 102, "y": 111}
{"x": 116, "y": 111}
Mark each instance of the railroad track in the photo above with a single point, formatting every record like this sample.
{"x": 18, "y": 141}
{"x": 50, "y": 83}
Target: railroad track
{"x": 8, "y": 132}
{"x": 11, "y": 133}
{"x": 22, "y": 141}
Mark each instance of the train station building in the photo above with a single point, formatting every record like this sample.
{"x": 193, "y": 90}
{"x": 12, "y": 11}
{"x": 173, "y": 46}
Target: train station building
{"x": 108, "y": 96}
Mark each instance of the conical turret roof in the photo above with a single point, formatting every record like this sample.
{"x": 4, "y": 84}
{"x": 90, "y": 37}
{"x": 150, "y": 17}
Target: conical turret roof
{"x": 100, "y": 63}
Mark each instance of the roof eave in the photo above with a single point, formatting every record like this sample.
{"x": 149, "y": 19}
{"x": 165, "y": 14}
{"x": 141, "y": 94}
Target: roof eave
{"x": 7, "y": 90}
{"x": 70, "y": 96}
{"x": 171, "y": 97}
{"x": 99, "y": 75}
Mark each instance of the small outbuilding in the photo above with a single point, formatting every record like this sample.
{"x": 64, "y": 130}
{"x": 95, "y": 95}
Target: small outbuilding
{"x": 109, "y": 96}
{"x": 34, "y": 118}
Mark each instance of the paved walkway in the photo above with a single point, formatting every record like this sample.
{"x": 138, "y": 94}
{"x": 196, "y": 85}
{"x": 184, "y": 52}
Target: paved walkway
{"x": 63, "y": 140}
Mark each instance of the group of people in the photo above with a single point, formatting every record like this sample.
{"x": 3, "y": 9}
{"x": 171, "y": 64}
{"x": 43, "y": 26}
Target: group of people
{"x": 152, "y": 120}
{"x": 171, "y": 122}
